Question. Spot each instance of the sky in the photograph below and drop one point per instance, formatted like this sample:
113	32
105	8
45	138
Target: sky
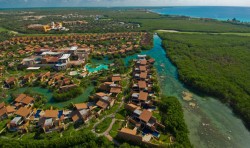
112	3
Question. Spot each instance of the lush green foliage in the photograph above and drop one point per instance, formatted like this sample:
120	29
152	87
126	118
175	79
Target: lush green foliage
81	139
120	66
172	117
103	126
13	20
187	24
64	96
5	35
126	145
215	64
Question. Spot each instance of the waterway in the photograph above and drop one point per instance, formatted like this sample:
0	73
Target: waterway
48	94
211	123
92	69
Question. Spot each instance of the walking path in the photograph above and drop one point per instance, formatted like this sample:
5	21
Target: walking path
112	115
106	133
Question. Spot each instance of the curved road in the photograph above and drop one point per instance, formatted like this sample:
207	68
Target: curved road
106	133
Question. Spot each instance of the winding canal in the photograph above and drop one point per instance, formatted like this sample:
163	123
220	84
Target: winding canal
210	123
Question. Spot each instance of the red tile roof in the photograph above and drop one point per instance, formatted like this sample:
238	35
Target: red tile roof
51	114
10	109
101	94
108	83
142	84
11	79
151	60
115	90
20	98
23	111
143	96
142	68
131	107
102	104
116	78
75	117
27	100
81	106
2	105
3	111
143	75
145	115
128	131
143	62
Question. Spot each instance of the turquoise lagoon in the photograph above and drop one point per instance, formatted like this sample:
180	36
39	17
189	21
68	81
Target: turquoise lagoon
48	94
96	69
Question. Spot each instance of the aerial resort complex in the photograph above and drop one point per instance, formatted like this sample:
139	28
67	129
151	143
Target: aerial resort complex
124	74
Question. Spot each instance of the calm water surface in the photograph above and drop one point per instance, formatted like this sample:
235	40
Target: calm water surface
92	69
211	123
220	13
48	94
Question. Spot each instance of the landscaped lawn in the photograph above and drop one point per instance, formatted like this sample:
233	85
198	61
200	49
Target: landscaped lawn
121	114
115	128
111	110
103	126
28	136
3	123
157	115
3	29
165	138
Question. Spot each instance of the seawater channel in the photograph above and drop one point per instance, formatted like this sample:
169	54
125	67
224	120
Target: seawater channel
211	123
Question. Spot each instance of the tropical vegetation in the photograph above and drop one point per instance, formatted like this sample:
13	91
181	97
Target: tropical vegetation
215	64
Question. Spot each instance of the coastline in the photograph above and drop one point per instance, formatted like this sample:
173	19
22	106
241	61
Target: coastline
216	16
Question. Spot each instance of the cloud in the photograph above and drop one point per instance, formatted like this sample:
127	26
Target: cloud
104	3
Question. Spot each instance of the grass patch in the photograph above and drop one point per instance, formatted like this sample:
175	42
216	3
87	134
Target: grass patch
110	111
121	114
28	136
157	115
103	126
3	123
2	29
114	131
164	138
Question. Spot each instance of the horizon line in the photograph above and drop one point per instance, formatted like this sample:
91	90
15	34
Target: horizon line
33	7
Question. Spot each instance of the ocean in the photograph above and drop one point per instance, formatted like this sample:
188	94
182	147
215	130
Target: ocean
215	12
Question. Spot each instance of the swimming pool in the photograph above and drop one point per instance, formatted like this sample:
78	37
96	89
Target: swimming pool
37	115
96	69
147	131
60	113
